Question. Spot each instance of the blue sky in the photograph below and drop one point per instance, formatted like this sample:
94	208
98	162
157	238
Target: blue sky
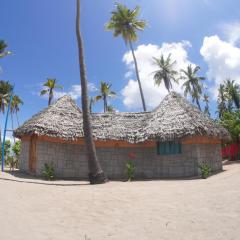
41	35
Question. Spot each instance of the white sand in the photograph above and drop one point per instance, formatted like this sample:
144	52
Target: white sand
155	210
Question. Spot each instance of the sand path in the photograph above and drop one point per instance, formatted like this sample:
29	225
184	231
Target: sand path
153	210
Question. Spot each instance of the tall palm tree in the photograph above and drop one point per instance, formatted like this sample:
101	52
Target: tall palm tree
232	91
206	100
50	85
16	102
92	101
5	91
3	47
165	71
222	105
111	109
105	92
96	174
192	84
124	22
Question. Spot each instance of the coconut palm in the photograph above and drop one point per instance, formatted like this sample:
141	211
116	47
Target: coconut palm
50	85
206	100
124	22
105	92
111	109
5	91
3	47
165	72
16	102
192	85
92	101
96	174
232	92
222	101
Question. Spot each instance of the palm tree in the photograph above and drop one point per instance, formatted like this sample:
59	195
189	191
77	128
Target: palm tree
5	91
165	72
232	91
92	101
105	92
111	109
124	22
96	174
192	84
50	85
16	102
3	51
222	106
206	100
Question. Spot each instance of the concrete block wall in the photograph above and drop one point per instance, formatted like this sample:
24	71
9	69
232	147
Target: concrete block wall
24	156
70	161
209	154
147	163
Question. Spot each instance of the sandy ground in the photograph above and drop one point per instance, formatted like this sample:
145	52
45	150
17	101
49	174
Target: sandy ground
153	210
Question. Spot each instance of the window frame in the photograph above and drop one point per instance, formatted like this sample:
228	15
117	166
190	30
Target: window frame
168	148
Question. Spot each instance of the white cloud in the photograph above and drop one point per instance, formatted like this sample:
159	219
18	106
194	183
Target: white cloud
232	32
145	53
223	59
74	91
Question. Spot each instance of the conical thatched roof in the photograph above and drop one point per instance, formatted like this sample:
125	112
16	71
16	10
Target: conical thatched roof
174	118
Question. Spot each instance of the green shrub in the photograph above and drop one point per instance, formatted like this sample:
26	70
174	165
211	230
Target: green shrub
130	170
12	162
205	171
48	172
16	148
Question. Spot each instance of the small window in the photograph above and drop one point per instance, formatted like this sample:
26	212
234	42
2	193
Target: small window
169	148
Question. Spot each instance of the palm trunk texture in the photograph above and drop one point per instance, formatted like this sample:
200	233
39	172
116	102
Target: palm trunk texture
138	77
96	174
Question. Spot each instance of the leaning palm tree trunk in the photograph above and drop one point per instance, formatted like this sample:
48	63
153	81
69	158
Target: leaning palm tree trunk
50	97
17	119
138	77
198	104
96	174
14	140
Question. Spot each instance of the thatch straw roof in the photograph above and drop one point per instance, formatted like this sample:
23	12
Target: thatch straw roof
174	118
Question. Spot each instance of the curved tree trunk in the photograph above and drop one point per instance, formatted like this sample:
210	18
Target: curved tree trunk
17	118
96	175
50	97
138	77
12	125
198	104
197	99
105	102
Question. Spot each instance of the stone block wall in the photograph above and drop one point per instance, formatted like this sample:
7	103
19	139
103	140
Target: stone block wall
147	163
70	161
24	156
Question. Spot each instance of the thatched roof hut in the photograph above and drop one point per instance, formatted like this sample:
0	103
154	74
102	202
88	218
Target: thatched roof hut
170	141
174	118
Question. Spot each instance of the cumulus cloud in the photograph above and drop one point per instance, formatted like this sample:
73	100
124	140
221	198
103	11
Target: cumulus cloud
145	53
74	92
232	32
223	59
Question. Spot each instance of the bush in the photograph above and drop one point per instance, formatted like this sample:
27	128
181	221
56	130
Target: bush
12	162
16	148
205	171
48	172
130	170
